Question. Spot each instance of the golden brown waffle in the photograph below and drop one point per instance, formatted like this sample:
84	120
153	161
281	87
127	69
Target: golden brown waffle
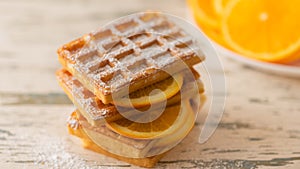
109	139
89	144
129	147
97	112
92	108
135	51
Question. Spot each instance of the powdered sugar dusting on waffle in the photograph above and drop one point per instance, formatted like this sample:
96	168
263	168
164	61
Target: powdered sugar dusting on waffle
88	101
73	122
84	99
122	52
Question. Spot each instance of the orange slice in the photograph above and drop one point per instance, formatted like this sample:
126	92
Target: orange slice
219	6
167	123
207	19
263	29
181	132
149	95
214	34
203	11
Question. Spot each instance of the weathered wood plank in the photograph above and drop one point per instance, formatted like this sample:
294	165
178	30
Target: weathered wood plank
238	140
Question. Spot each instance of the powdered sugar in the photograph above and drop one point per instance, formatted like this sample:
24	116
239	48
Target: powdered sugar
73	122
115	43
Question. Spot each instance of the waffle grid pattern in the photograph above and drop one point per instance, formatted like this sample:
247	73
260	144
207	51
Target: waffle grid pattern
135	47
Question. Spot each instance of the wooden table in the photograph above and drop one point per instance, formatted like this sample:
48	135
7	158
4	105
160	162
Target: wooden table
260	126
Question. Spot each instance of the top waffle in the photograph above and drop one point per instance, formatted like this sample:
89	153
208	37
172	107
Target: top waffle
135	51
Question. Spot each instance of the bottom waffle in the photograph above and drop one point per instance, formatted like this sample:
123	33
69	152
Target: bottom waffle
132	147
89	144
115	143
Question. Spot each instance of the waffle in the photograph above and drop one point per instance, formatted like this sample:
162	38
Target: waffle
137	148
135	51
92	108
130	147
95	111
89	144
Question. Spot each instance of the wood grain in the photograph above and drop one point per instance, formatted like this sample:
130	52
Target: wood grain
260	126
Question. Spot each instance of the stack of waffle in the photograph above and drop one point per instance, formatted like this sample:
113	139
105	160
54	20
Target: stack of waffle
134	87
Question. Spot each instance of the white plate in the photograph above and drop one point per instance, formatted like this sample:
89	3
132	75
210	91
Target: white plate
280	69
